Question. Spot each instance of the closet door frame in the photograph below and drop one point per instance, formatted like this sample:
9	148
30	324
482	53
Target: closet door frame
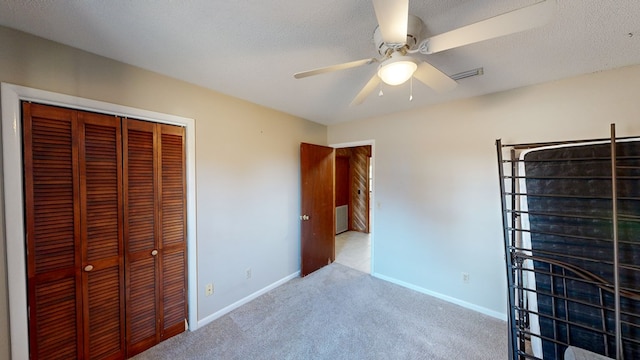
11	97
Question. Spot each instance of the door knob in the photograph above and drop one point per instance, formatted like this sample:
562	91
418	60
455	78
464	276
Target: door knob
154	252
304	217
88	268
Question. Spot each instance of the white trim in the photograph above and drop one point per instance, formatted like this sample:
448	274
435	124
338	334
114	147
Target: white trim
13	197
218	314
465	304
353	144
373	193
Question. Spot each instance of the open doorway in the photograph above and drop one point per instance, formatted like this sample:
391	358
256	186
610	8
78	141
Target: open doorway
354	192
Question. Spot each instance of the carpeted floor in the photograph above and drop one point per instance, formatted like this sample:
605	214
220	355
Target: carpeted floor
341	313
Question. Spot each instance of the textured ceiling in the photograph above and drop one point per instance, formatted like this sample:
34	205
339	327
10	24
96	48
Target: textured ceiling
250	49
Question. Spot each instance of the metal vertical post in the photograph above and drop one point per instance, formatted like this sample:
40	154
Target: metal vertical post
614	220
517	262
513	338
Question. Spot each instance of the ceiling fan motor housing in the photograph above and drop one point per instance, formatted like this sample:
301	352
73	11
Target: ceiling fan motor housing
414	35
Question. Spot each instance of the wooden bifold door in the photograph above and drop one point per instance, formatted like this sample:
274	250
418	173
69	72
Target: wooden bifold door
105	216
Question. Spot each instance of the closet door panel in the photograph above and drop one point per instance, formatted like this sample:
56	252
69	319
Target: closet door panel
140	184
173	230
173	186
142	310
53	236
105	212
141	243
105	340
174	293
55	334
52	183
101	230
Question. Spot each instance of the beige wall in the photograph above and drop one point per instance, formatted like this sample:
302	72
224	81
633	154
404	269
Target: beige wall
437	201
247	163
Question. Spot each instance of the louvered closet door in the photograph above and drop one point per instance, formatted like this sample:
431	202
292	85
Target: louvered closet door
100	164
53	232
155	233
93	209
173	230
141	222
73	208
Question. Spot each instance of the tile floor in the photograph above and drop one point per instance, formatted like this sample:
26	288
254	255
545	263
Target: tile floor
353	249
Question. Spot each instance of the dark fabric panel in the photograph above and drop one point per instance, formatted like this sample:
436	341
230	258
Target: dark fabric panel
558	235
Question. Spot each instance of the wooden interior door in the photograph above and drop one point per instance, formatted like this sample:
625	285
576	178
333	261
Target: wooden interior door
155	233
90	207
73	208
172	230
52	219
343	181
141	235
317	166
102	253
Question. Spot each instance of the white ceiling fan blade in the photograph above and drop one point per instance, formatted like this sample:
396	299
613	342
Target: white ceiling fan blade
434	78
525	18
366	90
337	67
392	18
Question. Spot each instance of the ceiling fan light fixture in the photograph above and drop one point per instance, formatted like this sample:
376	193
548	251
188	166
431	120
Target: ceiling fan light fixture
397	70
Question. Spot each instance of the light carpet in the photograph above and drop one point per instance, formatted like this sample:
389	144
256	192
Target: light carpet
341	313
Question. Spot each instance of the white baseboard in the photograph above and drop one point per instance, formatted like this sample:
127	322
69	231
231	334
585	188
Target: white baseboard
245	300
465	304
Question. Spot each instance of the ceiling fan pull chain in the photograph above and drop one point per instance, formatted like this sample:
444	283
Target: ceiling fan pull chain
411	89
380	93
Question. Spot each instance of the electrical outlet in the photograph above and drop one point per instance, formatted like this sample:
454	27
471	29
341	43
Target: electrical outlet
465	277
209	289
247	273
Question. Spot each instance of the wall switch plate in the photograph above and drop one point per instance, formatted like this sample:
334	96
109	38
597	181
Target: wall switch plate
209	289
465	277
247	273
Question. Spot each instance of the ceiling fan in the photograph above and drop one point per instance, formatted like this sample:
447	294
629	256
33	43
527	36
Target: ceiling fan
398	38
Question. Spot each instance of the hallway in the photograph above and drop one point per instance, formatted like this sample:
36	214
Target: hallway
353	249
